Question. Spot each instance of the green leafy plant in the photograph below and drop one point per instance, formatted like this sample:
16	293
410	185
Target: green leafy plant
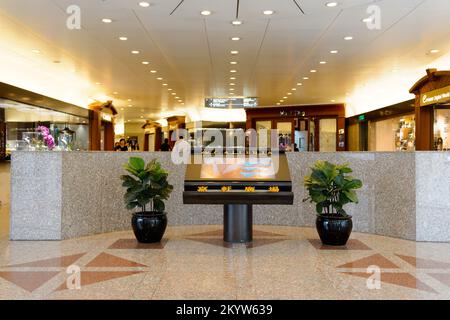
330	187
147	186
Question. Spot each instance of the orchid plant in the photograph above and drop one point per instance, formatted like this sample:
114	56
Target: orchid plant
48	138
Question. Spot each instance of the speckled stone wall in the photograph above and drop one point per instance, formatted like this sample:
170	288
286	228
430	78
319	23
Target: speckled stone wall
67	195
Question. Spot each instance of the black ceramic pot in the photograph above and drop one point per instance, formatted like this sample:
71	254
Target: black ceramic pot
149	227
334	230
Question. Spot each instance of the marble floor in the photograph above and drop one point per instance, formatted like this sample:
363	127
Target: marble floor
193	263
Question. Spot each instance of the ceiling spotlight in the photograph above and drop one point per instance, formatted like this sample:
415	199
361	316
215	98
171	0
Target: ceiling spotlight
305	78
234	52
233	71
122	109
142	117
236	22
153	71
115	93
144	4
180	101
123	38
205	13
323	62
434	51
333	100
268	12
135	52
281	100
165	84
294	89
233	62
299	84
169	89
278	103
231	89
129	100
334	51
285	97
98	83
145	62
36	51
106	20
348	38
235	38
130	105
232	78
159	78
313	71
331	4
232	84
174	94
177	97
289	93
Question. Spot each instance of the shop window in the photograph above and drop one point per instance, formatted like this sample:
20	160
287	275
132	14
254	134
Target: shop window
442	129
327	137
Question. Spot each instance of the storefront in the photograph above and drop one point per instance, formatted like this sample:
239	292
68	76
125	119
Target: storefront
387	129
23	112
432	110
302	128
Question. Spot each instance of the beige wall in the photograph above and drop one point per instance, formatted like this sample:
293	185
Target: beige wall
134	129
353	137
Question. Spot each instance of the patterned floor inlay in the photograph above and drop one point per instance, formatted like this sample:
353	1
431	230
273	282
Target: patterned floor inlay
352	244
373	260
134	244
424	263
107	260
220	243
401	279
28	280
215	238
92	277
63	261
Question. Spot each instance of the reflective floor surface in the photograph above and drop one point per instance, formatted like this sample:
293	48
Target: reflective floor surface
194	263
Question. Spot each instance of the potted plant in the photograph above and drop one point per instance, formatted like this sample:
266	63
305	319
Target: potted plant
147	188
331	188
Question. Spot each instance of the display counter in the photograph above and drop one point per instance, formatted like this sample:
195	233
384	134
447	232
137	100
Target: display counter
61	195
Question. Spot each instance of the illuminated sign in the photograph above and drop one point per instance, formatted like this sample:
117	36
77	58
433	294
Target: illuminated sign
436	96
231	103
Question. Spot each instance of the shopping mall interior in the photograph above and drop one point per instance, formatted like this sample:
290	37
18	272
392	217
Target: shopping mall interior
87	86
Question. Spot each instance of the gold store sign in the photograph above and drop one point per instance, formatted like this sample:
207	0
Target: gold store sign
435	96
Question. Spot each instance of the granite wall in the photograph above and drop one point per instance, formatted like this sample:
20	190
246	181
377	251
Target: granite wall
66	195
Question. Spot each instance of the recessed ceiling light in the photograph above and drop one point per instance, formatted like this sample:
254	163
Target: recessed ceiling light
130	105
294	89
299	84
122	109
165	84
434	51
142	117
233	62
145	62
235	38
177	97
236	22
180	101
334	51
313	71
231	94
98	83
144	4
233	71
323	62
234	52
278	103
115	93
159	78
285	97
348	38
333	100
232	84
129	100
123	38
331	4
231	89
305	78
169	89
268	12
135	52
174	94
153	71
289	93
281	100
106	20
36	51
205	13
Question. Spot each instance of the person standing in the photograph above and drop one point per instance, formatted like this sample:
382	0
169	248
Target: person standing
123	145
165	146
